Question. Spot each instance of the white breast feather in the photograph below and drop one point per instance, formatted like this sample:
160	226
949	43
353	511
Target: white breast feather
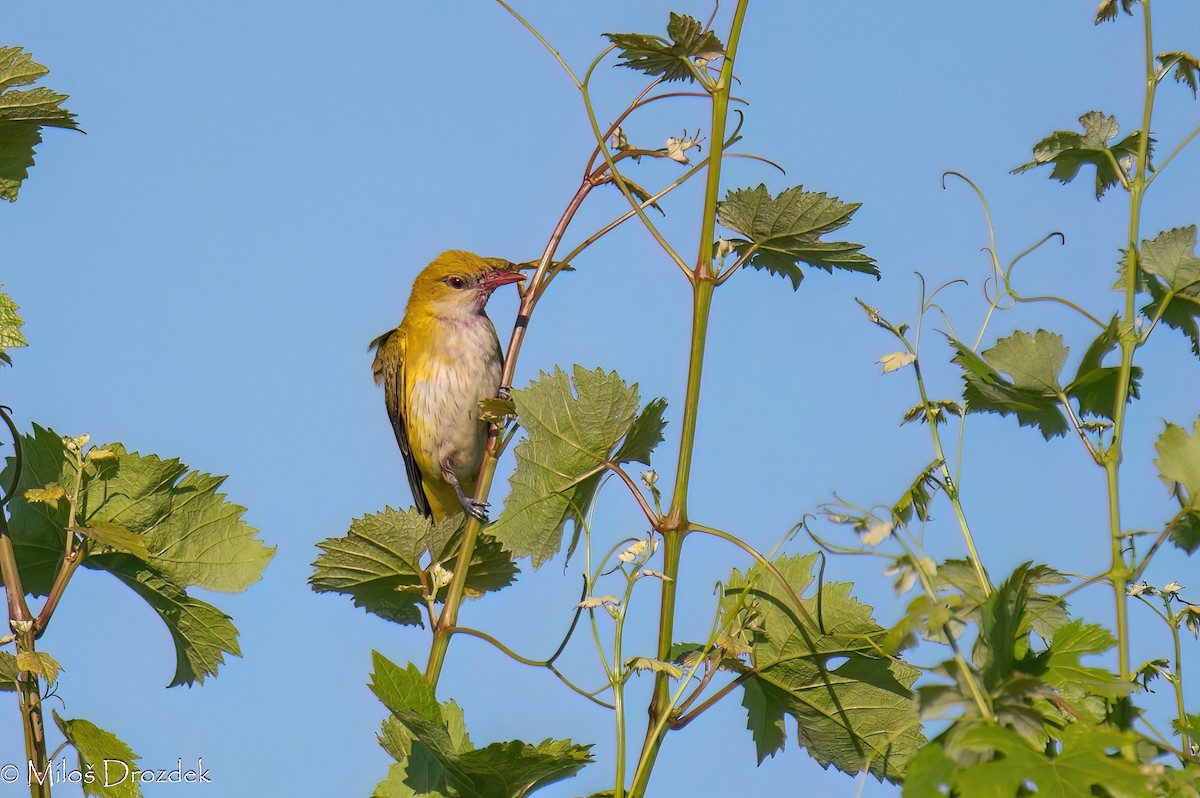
464	365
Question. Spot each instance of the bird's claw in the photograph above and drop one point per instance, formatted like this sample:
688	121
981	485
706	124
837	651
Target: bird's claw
504	392
476	509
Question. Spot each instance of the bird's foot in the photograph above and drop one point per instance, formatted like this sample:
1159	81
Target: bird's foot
475	508
471	506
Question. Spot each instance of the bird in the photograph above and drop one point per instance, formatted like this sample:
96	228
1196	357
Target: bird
435	368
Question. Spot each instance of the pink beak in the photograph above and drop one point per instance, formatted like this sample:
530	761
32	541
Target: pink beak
498	277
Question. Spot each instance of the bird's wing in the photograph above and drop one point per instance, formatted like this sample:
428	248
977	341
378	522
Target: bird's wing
388	369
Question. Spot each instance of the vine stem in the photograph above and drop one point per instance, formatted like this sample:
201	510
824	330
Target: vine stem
442	631
21	621
1128	340
675	526
948	480
1177	676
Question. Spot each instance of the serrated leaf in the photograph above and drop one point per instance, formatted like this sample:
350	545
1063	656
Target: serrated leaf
1085	762
783	232
23	114
896	361
1095	385
1110	9
11	336
856	716
8	672
1068	151
1044	612
1185	530
117	538
40	663
101	752
37	527
655	666
439	753
516	769
1179	459
1176	297
987	391
939	408
496	410
573	430
192	532
51	493
644	435
1184	66
1171	255
1189	725
918	496
379	563
1033	361
1065	671
397	785
1179	465
654	55
930	772
203	540
187	529
202	634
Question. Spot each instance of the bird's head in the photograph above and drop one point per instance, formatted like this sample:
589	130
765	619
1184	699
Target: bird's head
459	283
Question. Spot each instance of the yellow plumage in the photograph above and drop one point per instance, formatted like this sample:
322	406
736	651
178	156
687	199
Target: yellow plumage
435	368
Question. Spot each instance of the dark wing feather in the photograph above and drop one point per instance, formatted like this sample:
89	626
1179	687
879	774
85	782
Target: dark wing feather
389	372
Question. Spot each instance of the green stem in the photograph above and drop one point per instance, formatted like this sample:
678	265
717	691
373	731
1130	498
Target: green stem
675	527
618	687
1177	680
29	695
948	480
487	470
1119	570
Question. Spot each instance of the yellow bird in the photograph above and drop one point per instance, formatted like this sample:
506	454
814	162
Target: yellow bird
435	368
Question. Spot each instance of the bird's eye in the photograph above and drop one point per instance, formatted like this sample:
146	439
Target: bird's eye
456	282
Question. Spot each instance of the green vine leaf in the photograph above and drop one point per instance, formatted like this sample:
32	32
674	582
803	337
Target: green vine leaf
8	672
654	55
202	634
187	529
23	114
1095	385
1179	468
152	523
39	663
857	715
438	758
1045	613
1111	9
1172	271
917	498
1185	68
1066	673
1034	361
103	754
645	435
11	336
940	409
1069	151
387	560
575	428
655	666
1084	762
783	232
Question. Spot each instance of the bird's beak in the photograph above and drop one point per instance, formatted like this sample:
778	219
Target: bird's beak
498	277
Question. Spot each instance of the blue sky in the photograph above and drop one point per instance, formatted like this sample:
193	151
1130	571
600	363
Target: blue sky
259	184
